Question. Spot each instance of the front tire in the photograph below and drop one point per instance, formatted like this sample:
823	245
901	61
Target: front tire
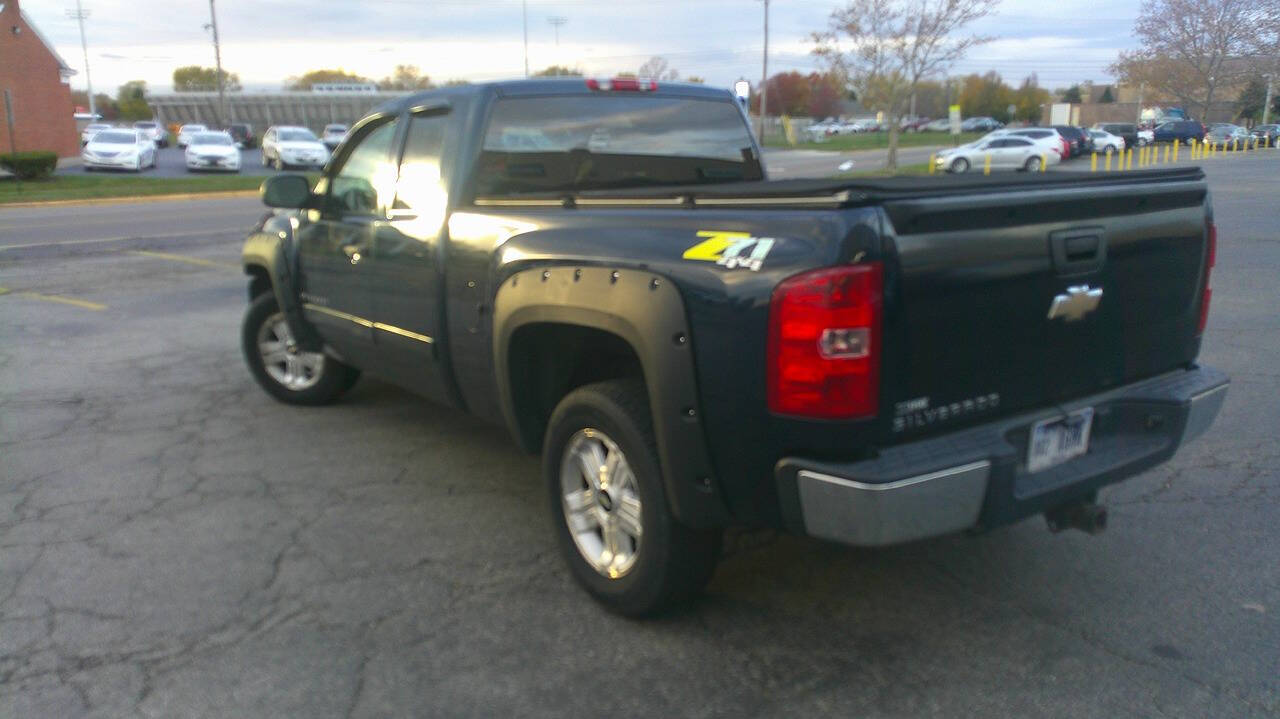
612	519
286	372
960	166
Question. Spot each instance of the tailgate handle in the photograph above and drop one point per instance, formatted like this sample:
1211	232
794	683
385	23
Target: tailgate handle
1079	251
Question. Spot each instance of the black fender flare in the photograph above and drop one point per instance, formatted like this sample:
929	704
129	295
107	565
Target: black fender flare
646	311
271	249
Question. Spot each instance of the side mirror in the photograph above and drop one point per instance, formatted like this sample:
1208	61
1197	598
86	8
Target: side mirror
291	192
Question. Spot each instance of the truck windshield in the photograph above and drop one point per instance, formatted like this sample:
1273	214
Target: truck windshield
594	142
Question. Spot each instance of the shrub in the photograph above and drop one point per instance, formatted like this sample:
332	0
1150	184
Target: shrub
30	165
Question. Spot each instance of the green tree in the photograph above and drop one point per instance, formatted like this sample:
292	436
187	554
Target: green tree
193	78
405	77
986	95
1249	104
1071	94
1030	98
1107	97
323	77
131	99
558	71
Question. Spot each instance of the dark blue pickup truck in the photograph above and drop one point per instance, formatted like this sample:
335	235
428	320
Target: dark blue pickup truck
602	268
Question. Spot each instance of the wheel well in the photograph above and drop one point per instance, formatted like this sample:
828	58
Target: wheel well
259	281
549	360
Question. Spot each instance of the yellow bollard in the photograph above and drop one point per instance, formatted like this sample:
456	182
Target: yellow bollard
1108	162
1192	144
933	163
1175	150
1093	162
1044	162
1142	152
1128	160
1166	155
986	164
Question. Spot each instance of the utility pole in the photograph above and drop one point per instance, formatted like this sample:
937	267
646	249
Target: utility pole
556	21
764	74
1266	105
524	6
80	14
1142	89
217	59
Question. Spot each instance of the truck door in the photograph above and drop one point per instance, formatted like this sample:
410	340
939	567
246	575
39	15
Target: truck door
333	245
405	262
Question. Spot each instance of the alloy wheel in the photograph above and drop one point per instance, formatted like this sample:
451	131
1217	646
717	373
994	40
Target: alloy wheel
601	502
293	368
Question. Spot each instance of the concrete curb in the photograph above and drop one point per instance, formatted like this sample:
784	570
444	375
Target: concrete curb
123	200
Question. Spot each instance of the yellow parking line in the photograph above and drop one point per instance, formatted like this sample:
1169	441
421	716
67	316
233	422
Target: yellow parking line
97	240
83	304
184	258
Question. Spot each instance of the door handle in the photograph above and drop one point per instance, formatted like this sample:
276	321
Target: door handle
354	252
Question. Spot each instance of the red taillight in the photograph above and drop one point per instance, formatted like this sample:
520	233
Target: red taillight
1211	258
622	84
824	343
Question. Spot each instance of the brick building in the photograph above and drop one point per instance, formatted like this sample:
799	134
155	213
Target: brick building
36	78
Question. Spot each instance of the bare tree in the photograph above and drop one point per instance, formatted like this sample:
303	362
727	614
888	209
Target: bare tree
1192	49
884	48
657	68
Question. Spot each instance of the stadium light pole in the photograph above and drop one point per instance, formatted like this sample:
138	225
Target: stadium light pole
217	59
1266	105
79	14
524	8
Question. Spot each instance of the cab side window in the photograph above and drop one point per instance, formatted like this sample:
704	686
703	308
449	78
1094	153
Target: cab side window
365	181
421	185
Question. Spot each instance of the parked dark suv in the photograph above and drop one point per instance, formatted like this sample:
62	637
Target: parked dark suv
1127	130
1075	137
242	133
1183	131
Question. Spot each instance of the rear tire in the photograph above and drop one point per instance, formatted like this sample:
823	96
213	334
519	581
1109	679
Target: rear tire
290	375
636	573
1033	164
960	166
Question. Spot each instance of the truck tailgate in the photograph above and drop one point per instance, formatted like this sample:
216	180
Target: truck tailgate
1011	299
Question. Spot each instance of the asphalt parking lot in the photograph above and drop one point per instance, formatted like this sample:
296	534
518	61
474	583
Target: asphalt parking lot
175	543
171	162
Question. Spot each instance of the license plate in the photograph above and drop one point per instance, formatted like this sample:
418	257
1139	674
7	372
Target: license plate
1057	440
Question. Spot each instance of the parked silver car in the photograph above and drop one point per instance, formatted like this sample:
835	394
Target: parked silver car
1005	153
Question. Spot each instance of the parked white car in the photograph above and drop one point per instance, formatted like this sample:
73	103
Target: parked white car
1146	137
1046	137
92	129
212	151
1006	153
186	131
1104	142
119	149
287	146
333	135
154	130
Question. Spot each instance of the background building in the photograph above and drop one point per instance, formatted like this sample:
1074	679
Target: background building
36	78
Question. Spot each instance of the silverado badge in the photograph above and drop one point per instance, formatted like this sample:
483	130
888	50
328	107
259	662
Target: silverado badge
1075	303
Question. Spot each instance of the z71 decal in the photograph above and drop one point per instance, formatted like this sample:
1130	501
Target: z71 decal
731	249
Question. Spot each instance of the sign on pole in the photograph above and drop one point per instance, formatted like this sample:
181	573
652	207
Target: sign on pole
953	114
8	117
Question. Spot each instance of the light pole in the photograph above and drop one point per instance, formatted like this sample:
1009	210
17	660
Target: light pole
80	14
524	8
1266	105
556	21
764	74
217	59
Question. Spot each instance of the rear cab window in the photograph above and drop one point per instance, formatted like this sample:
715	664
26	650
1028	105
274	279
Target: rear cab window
599	142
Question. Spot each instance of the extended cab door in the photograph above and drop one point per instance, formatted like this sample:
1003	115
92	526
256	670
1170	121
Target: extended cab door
405	261
333	243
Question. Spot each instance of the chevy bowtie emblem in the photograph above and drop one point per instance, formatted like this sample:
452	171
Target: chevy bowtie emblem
1075	303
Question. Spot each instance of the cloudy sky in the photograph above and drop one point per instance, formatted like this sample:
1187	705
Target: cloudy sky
266	41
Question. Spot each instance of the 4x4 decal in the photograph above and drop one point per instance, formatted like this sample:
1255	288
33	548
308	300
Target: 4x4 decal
731	249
